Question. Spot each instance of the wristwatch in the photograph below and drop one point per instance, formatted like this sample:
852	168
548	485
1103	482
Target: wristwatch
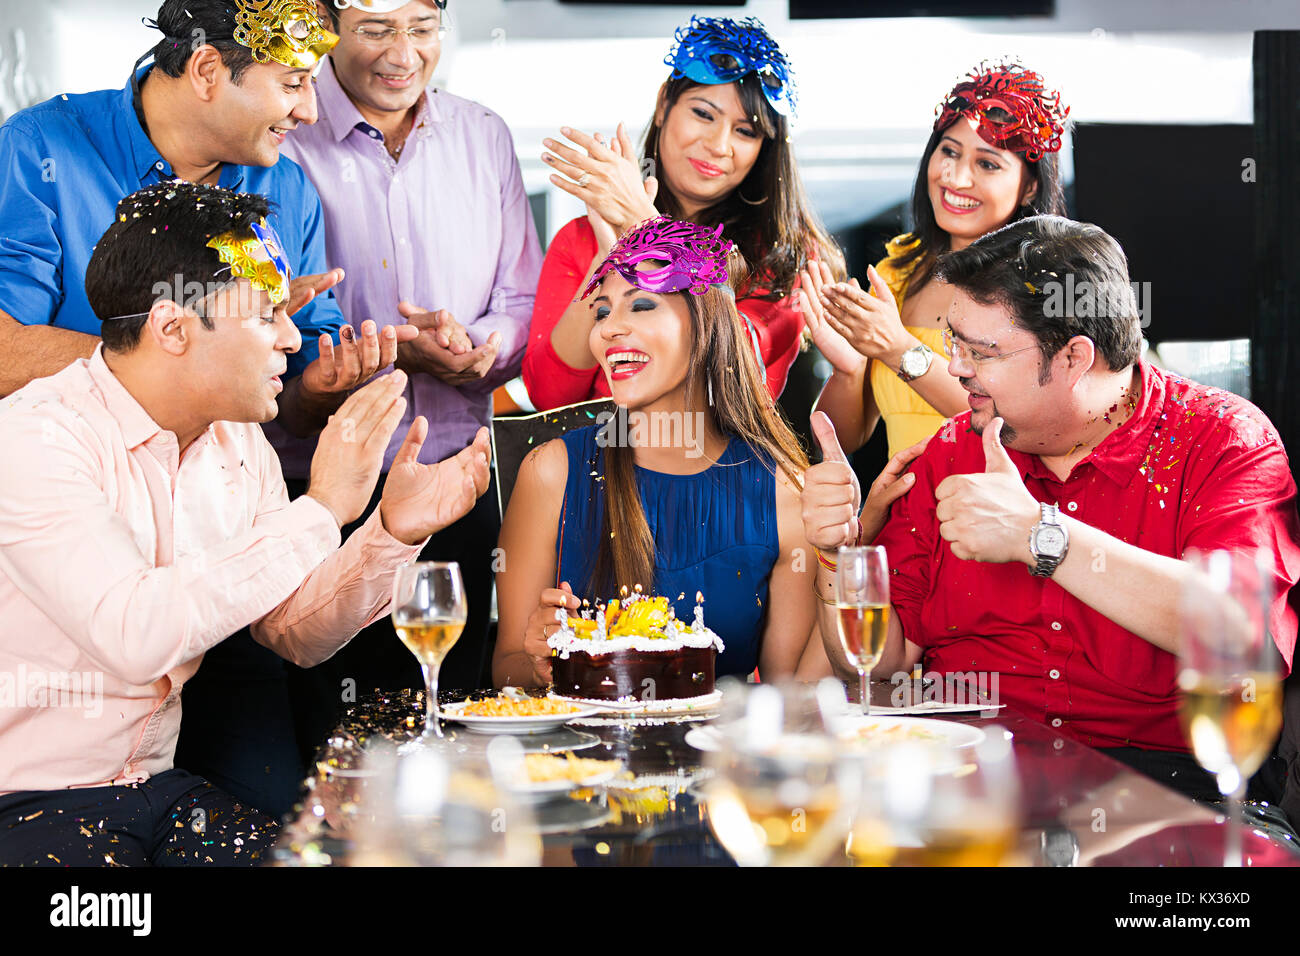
1048	542
1059	846
915	362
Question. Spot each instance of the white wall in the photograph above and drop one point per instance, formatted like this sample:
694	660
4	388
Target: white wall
867	87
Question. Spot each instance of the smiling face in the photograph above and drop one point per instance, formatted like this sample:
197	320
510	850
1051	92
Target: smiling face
707	145
642	341
387	77
1005	378
255	115
974	188
236	366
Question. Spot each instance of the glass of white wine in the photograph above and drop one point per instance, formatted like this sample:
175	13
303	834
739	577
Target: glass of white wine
862	610
429	611
1228	673
925	803
780	794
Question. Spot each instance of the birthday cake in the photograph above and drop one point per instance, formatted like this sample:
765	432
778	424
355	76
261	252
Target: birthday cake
634	649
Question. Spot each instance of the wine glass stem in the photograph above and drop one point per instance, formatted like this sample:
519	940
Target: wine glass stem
431	726
1232	842
864	689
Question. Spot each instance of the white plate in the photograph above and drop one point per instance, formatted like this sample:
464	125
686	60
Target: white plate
710	738
657	708
541	724
903	728
554	788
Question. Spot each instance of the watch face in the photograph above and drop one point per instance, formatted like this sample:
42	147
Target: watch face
915	363
1050	541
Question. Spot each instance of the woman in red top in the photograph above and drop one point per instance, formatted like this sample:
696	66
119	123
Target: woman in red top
718	148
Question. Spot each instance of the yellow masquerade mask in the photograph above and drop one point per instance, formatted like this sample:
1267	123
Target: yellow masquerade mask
258	258
287	31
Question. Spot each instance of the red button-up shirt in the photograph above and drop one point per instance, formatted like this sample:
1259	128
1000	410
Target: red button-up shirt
1193	467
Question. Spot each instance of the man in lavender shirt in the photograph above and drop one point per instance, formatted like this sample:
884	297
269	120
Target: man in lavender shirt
426	211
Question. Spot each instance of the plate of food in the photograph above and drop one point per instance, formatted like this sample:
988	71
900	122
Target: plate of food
549	775
878	730
514	715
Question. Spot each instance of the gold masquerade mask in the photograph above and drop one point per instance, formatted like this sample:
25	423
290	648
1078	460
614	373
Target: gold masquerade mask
258	258
287	31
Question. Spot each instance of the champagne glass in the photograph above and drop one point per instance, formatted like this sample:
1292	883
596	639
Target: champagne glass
925	803
1231	705
432	807
862	610
780	792
429	611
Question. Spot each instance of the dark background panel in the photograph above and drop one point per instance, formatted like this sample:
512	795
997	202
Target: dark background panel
1175	199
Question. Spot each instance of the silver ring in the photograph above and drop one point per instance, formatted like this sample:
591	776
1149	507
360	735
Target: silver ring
585	179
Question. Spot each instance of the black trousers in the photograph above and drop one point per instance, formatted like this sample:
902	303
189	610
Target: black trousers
236	726
173	819
377	659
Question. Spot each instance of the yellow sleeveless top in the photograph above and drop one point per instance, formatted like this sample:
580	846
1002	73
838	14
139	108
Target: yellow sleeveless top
908	417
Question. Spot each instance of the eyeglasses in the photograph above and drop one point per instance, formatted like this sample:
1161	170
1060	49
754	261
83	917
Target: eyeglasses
960	350
419	36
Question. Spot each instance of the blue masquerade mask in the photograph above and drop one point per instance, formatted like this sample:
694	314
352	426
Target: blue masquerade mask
715	50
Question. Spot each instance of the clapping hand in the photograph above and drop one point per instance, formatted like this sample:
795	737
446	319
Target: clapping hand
356	359
869	323
606	177
443	348
420	500
808	300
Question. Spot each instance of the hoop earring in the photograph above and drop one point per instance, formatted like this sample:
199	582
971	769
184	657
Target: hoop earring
710	391
750	202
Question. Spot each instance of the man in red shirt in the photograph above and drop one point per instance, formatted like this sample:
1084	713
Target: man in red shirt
1038	536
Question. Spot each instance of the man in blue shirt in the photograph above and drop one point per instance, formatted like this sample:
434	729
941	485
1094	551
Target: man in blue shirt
211	109
230	79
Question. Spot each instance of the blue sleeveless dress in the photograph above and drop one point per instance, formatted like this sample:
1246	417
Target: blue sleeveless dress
715	532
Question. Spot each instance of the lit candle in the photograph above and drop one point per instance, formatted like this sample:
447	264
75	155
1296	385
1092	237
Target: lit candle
699	609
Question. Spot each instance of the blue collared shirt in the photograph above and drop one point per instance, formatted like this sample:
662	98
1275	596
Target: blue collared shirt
68	162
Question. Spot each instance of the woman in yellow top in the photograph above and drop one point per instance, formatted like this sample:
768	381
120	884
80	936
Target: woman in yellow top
990	161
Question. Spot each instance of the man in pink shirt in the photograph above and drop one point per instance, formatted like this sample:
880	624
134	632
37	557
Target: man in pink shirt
144	518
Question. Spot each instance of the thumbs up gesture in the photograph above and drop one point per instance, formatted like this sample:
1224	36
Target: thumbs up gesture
832	496
987	516
868	321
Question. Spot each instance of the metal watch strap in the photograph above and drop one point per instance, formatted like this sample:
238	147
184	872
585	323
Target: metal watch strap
1046	564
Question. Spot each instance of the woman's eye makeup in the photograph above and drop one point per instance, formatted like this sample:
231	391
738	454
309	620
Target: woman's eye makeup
601	311
642	305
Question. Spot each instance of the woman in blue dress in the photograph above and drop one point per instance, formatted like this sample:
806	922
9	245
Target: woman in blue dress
694	487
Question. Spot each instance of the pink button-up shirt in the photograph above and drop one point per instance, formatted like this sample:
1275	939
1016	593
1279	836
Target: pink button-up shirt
122	561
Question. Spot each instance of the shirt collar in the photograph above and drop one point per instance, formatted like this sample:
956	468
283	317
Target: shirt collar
1122	451
147	162
137	425
342	115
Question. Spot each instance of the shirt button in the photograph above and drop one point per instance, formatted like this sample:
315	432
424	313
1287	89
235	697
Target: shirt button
1056	721
1054	674
1058	743
374	134
1073	506
1056	625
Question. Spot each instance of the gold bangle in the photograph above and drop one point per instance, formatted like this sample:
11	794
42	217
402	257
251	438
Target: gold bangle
818	596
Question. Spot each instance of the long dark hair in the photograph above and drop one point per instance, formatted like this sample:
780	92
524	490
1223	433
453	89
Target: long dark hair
721	354
1049	199
768	216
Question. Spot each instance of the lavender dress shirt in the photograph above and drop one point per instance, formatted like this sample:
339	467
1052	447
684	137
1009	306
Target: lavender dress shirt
445	226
